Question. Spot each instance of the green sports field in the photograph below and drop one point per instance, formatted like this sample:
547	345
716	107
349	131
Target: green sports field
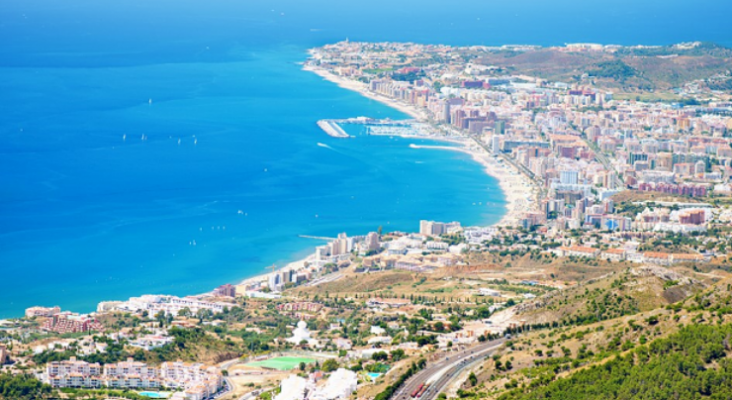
281	363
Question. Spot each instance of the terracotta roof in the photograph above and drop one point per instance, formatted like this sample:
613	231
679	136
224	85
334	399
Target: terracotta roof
655	254
614	251
582	249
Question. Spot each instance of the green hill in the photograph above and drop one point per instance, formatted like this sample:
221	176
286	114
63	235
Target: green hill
691	364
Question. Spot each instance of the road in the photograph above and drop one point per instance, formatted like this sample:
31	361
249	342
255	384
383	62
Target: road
538	183
602	159
227	364
325	279
438	374
228	388
255	393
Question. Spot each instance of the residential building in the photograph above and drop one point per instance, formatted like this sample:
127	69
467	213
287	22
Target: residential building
68	322
74	374
197	380
226	290
41	311
432	228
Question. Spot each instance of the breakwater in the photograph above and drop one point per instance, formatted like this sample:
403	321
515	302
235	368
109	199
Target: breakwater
332	126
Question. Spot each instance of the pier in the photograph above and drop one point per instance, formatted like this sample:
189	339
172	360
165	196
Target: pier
332	126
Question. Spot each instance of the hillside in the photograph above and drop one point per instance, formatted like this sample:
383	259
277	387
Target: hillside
619	294
625	69
690	364
571	336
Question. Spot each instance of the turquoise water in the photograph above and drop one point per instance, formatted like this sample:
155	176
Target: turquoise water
154	395
88	216
100	217
373	375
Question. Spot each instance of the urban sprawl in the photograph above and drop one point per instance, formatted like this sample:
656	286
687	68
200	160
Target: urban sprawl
589	179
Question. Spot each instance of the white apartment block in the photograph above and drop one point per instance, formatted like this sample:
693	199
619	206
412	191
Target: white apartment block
170	305
130	367
198	381
73	373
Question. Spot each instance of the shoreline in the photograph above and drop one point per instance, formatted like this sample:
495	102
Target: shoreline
516	188
360	88
296	265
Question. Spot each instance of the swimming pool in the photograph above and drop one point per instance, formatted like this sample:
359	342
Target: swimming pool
373	375
155	395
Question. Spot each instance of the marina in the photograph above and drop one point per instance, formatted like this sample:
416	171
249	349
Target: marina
332	126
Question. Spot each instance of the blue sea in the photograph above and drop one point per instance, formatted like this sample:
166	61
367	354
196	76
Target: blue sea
159	146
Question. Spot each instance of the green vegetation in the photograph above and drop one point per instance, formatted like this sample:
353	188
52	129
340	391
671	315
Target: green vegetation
473	379
615	69
602	306
289	363
723	85
408	77
115	352
701	49
376	71
391	389
329	365
23	387
187	345
72	393
691	364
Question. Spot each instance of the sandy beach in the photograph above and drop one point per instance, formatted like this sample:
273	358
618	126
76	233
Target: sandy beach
519	191
296	266
361	88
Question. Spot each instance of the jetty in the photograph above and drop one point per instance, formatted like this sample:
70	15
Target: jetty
330	239
332	126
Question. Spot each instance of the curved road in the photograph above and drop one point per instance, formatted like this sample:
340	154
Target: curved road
440	373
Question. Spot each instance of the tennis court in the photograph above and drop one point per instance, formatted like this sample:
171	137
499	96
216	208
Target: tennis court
281	363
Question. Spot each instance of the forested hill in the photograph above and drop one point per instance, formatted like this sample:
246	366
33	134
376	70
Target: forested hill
692	364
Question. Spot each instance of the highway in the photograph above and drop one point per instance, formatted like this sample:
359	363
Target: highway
439	374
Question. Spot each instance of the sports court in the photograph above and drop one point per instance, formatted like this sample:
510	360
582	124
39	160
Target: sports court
281	363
